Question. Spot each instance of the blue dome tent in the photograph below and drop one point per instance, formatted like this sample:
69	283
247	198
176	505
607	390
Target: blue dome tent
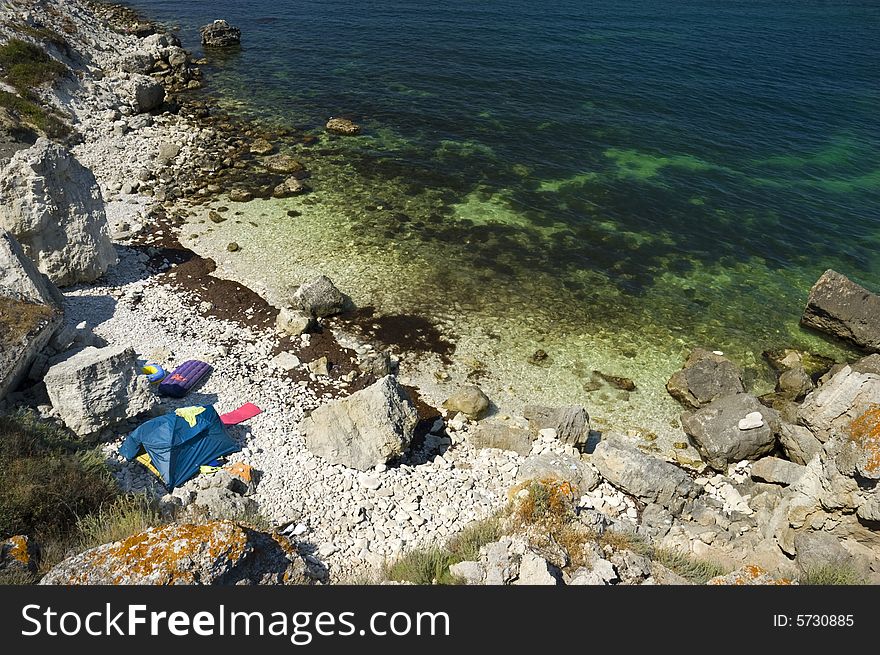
177	449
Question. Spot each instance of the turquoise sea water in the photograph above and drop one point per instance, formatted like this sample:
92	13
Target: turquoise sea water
629	176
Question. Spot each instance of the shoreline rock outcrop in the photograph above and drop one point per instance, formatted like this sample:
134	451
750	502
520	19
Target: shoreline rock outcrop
842	308
220	34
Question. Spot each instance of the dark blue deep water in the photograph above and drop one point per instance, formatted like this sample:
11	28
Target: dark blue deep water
715	155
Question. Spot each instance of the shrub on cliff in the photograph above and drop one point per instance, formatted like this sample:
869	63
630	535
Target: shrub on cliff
48	480
26	65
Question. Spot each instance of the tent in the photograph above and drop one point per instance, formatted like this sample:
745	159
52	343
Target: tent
179	443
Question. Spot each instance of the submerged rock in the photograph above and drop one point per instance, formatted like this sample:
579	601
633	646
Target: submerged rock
840	307
342	126
292	186
284	164
53	206
366	429
220	34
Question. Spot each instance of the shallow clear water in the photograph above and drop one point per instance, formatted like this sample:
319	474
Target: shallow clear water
611	182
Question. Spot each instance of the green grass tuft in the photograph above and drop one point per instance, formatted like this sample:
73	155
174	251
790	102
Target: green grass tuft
124	517
26	65
696	570
831	574
422	567
49	479
34	115
431	566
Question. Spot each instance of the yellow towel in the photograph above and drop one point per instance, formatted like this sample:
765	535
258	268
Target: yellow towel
144	459
189	414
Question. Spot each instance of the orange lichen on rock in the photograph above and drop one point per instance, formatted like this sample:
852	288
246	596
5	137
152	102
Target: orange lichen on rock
750	574
865	433
165	553
19	550
214	552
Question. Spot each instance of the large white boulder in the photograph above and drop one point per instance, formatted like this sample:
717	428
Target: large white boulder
98	388
53	206
368	428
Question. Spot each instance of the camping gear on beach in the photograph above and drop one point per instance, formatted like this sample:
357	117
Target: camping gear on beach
176	449
184	378
243	413
154	373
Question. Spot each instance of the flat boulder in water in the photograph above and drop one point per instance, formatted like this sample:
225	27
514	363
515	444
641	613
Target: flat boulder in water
342	126
840	307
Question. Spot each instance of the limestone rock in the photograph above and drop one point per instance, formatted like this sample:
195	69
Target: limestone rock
705	377
833	406
470	401
648	478
749	575
471	573
143	93
504	437
838	306
98	388
365	429
534	570
30	313
572	424
319	297
19	277
19	554
777	471
600	572
558	466
716	433
816	550
167	152
799	444
213	553
220	34
53	206
294	321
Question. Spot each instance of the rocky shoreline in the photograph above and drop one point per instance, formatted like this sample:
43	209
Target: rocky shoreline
353	471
